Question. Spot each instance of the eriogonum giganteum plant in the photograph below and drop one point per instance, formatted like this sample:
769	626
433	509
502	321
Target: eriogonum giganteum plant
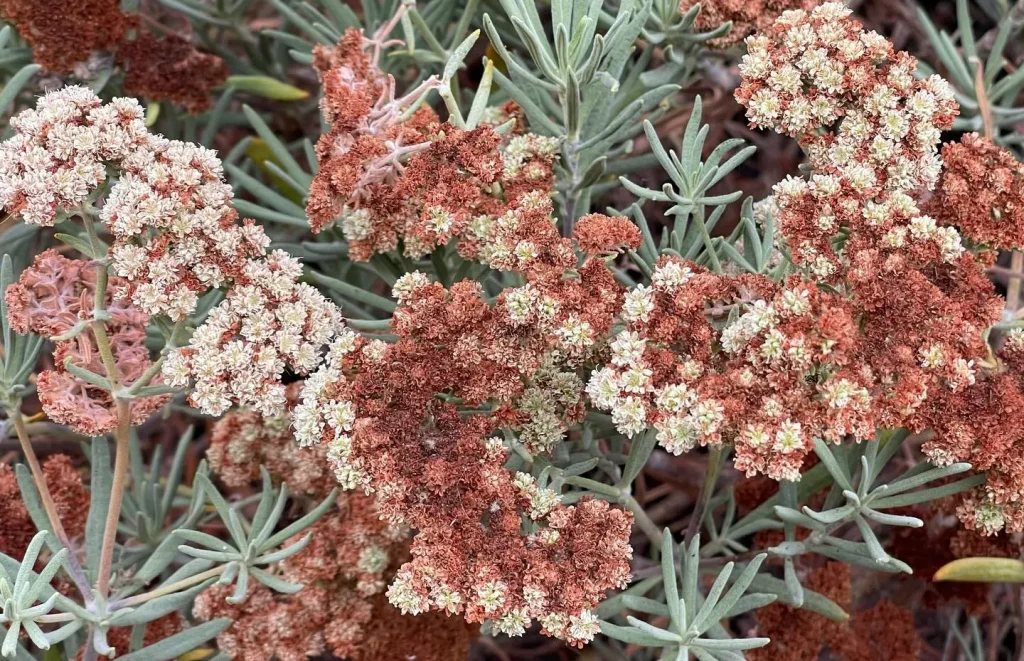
392	373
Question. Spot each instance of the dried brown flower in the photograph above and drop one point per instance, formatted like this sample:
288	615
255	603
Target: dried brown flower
342	609
62	33
169	68
747	16
884	630
242	441
50	298
981	192
69	495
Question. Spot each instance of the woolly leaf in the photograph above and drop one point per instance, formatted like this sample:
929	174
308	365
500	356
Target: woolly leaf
180	643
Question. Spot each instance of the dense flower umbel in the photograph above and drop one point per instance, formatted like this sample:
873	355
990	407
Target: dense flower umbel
871	131
52	296
63	34
747	16
390	174
176	234
981	192
170	68
781	374
883	631
921	301
242	441
65	485
267	322
383	412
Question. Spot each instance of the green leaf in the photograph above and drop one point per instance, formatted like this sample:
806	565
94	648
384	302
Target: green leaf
99	497
83	246
676	607
639	452
16	82
283	156
179	643
632	636
926	495
152	113
458	55
838	473
301	524
813	601
267	87
159	606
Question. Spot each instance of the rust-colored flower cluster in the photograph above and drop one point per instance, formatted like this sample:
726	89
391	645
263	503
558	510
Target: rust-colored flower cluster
747	16
395	177
414	422
167	68
882	631
342	609
811	69
70	498
63	34
51	298
783	372
921	301
242	441
981	193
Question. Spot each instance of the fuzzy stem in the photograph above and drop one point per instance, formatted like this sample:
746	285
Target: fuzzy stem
177	586
643	521
117	487
707	489
99	332
51	508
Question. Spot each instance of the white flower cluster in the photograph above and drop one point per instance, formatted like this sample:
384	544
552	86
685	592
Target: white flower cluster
820	66
176	236
501	242
894	218
625	386
169	210
322	415
542	500
522	148
56	158
268	322
551	391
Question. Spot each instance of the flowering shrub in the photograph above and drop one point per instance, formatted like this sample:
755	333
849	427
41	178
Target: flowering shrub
425	369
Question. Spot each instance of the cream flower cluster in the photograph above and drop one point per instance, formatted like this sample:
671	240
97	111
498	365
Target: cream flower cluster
323	413
176	237
814	68
773	378
544	402
169	210
267	322
813	210
506	243
56	157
